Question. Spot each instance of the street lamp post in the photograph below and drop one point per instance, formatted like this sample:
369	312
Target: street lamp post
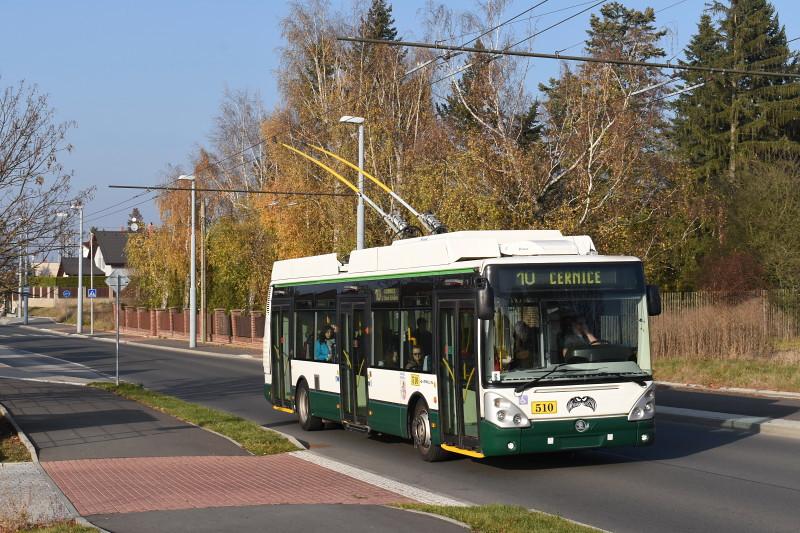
79	322
192	270
347	119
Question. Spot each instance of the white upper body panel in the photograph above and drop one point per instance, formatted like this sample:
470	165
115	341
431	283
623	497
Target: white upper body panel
462	250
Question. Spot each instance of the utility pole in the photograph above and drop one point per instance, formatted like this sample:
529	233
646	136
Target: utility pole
79	322
91	282
25	287
203	312
347	119
19	293
192	267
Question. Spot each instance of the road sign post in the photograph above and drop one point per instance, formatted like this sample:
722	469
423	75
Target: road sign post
116	282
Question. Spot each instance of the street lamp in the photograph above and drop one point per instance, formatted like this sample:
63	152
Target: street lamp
347	119
192	270
79	322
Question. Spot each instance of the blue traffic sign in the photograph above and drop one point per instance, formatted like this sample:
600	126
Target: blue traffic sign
92	293
66	294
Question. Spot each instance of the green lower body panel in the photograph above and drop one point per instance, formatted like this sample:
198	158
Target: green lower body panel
325	404
557	435
389	418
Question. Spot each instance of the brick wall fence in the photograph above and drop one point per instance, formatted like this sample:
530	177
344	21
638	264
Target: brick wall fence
221	327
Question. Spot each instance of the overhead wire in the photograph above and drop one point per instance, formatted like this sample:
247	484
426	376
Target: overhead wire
528	38
349	102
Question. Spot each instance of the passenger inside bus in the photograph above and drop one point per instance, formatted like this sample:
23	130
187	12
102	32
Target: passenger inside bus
390	357
325	346
524	340
423	336
417	362
575	334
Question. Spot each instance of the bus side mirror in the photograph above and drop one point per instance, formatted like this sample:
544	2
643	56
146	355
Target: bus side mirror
653	300
485	300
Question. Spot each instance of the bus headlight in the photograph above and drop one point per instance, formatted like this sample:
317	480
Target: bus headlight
645	406
502	412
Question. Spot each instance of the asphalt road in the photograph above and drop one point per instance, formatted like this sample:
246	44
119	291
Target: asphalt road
693	479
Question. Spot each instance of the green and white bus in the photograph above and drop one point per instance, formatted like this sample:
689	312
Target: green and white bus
482	343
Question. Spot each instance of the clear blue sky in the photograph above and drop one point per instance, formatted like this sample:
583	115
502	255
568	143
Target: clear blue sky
143	80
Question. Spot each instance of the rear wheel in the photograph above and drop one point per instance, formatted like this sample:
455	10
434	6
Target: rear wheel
307	421
421	433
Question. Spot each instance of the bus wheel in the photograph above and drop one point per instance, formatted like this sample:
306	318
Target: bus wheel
307	421
421	432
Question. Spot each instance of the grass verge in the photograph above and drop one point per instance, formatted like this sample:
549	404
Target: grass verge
250	435
502	518
64	526
745	373
11	448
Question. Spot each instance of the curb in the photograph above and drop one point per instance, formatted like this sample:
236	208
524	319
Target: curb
433	515
735	390
142	344
753	424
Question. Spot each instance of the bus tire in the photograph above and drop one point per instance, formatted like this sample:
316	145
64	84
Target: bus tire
307	421
421	434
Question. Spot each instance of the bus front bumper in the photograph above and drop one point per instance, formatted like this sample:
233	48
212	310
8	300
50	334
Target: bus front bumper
558	435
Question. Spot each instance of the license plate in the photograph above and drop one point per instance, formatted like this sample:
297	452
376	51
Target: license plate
544	408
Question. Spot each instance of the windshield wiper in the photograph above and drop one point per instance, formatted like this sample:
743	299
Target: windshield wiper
639	380
558	368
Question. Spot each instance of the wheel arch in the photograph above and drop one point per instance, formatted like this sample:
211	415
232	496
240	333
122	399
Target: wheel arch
412	405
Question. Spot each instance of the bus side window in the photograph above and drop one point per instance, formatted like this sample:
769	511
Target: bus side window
386	339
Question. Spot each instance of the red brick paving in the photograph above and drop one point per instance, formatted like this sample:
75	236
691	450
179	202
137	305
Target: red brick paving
100	486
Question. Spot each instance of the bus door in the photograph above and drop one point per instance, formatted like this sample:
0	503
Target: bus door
281	357
458	373
353	361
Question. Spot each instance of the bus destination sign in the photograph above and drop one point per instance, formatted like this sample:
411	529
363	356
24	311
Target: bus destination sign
566	277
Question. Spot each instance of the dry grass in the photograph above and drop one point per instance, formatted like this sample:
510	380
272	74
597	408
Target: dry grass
742	344
11	448
62	526
714	331
67	314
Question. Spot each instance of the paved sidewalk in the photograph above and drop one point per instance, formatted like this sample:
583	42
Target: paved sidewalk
130	468
70	422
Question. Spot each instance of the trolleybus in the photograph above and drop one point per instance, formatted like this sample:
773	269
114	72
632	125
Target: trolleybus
481	343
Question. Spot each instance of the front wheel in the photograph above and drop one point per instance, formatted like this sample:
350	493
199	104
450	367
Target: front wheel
421	433
307	421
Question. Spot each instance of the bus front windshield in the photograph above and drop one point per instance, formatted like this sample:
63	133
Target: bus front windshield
558	335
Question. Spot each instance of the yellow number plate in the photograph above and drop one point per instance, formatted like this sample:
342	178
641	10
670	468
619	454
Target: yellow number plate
544	408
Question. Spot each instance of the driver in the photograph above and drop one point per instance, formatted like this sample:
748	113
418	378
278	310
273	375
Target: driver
575	333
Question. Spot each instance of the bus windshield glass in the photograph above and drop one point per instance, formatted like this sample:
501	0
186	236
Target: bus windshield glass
567	322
